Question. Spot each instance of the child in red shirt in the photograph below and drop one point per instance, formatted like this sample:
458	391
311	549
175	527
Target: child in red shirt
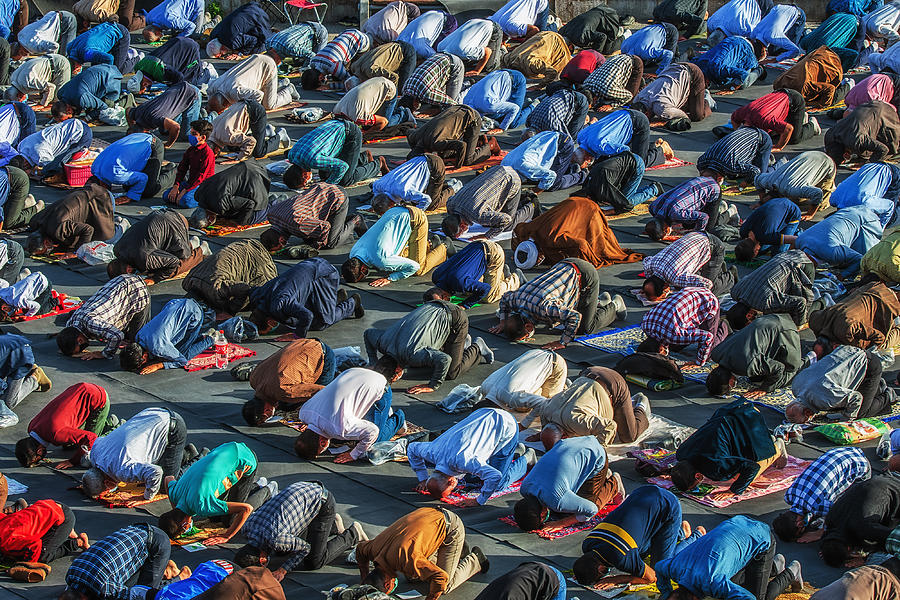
197	164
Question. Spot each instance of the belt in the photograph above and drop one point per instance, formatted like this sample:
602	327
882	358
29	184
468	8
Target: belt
173	423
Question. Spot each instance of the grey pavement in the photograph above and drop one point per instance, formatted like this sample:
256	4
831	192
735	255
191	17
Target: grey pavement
375	496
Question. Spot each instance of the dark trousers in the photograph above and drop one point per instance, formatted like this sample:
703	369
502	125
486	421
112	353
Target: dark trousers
474	153
158	177
171	459
16	215
877	397
45	301
437	188
323	303
461	358
630	424
754	577
27	120
56	543
593	318
579	112
324	547
600	488
340	230
359	167
715	270
68	28
258	123
796	112
15	260
137	321
4	62
640	140
150	574
764	154
688	21
494	44
246	490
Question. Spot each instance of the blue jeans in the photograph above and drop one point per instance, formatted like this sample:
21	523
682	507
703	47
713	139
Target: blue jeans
388	424
329	365
396	115
27	120
751	78
189	116
561	594
194	342
187	201
790	229
764	153
512	468
630	190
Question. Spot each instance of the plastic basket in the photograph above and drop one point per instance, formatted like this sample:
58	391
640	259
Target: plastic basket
77	174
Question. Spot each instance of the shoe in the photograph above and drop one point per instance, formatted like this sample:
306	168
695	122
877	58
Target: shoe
112	422
482	559
448	243
530	457
262	482
270	131
721	131
621	309
242	371
284	140
361	535
9	420
627	21
883	451
29	572
273	488
619	498
797	583
522	279
295	93
778	564
848	81
520	450
486	352
341	295
300	252
351	558
24	273
434	240
29	201
603	299
642	403
44	383
659	188
358	310
815	123
189	454
835	114
468	341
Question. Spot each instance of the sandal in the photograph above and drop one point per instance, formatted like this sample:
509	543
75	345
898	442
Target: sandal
29	572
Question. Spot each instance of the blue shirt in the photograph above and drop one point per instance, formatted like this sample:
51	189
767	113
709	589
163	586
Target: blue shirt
738	17
462	272
769	221
609	135
4	192
854	7
123	161
205	576
8	11
649	43
706	567
381	245
870	186
490	92
100	38
728	62
854	230
181	16
164	335
533	159
407	182
88	89
556	478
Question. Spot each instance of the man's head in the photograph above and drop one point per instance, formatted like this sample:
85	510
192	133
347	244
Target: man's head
834	552
175	522
654	288
215	48
440	485
740	315
20	162
264	323
296	177
517	328
551	433
651	345
249	555
200	130
453	226
759	50
388	367
764	194
382	203
255	412
657	229
435	293
273	240
712	175
685	476
29	452
95	482
312	79
274	56
71	341
354	270
217	102
60	111
797	412
582	158
789	526
589	569
530	513
37	244
133	358
746	250
310	444
116	267
642	108
720	381
152	33
380	581
823	347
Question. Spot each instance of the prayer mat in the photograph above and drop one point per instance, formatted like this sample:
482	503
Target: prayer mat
387	139
292	420
670	163
622	341
65	304
822	111
197	535
658	124
654	385
801	595
636	211
490	162
771	481
455	300
723	92
220	230
571	529
468	492
288	106
733	189
612	590
207	358
56	259
128	495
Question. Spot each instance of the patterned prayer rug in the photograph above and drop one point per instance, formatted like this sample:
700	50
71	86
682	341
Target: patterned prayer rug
207	358
571	529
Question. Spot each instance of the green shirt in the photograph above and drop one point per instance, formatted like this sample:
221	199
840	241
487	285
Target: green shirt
198	491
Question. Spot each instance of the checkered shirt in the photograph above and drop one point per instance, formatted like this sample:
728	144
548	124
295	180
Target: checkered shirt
483	199
553	113
676	320
733	155
825	479
279	525
301	41
337	54
319	148
306	214
428	82
105	315
607	82
103	570
685	203
679	262
551	298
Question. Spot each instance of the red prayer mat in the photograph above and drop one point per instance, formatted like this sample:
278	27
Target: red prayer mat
490	162
463	492
220	230
207	358
571	529
65	305
670	163
387	139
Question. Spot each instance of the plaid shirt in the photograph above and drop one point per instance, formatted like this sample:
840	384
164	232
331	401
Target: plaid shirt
679	262
279	525
428	83
685	203
489	199
734	155
550	298
553	113
105	315
306	214
319	148
301	41
103	570
607	82
676	320
337	54
825	479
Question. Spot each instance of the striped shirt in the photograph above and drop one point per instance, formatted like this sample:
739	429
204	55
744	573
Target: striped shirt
334	57
607	82
738	154
781	285
549	298
825	479
300	41
679	262
105	315
428	83
306	214
319	149
676	320
685	202
488	200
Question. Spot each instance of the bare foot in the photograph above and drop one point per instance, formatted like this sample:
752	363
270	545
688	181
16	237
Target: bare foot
83	542
686	529
382	161
495	146
701	530
171	570
339	523
184	573
369	156
666	148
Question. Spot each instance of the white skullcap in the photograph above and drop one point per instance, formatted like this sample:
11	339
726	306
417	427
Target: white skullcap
526	255
213	48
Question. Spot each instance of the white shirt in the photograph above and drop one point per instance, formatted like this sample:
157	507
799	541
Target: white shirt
42	36
254	78
363	101
423	32
129	452
467	447
887	16
407	182
338	410
22	293
42	147
516	15
33	76
469	40
387	23
525	375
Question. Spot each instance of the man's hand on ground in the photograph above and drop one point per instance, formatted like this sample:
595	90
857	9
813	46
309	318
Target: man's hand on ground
151	368
380	282
467	503
63	465
553	346
91	355
343	457
420	389
215	541
279	574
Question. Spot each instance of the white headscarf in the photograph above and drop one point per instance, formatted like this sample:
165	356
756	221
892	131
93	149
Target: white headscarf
526	254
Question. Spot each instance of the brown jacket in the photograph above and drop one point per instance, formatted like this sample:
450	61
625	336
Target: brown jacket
815	76
380	61
862	319
542	56
252	583
584	408
450	125
85	215
289	375
223	280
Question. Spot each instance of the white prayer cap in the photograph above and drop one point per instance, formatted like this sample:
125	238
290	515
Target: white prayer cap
213	48
526	255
